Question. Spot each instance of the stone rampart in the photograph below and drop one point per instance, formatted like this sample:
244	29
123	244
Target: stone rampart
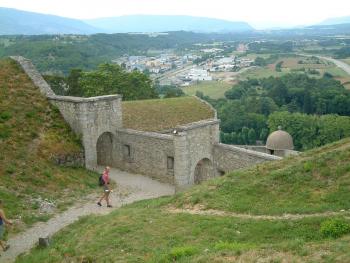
229	158
194	143
88	117
187	155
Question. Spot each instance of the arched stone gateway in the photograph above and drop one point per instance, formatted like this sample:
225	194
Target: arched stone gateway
203	171
104	148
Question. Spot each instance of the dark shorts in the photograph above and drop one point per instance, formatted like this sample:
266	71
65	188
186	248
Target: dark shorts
105	188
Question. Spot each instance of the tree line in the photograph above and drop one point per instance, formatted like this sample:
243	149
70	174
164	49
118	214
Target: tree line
314	111
110	79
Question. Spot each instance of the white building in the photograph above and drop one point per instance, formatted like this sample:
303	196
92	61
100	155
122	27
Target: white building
198	74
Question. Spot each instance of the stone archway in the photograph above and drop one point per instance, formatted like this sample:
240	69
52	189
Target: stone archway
104	148
203	171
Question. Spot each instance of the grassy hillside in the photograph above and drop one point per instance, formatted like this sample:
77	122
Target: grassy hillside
150	231
32	135
163	114
315	181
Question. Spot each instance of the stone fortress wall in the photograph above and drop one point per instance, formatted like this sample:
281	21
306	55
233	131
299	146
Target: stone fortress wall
188	155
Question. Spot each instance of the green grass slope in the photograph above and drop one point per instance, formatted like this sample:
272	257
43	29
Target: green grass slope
32	133
315	181
150	231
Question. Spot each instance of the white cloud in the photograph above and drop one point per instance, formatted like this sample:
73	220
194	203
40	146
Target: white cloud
257	12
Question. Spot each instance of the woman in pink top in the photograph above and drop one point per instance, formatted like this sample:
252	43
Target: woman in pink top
106	192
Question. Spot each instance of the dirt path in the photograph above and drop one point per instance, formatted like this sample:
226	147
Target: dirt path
211	212
131	188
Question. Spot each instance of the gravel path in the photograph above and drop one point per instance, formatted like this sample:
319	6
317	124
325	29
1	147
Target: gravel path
131	188
212	212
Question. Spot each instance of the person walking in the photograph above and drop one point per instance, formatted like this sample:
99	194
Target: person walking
106	189
3	220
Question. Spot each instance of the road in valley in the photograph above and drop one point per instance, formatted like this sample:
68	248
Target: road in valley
338	63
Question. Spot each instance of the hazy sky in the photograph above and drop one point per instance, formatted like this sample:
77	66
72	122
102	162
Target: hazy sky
259	13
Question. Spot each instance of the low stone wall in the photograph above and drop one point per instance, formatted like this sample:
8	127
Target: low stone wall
144	153
228	158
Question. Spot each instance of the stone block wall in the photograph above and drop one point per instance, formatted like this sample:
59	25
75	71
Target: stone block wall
91	117
193	143
144	153
229	158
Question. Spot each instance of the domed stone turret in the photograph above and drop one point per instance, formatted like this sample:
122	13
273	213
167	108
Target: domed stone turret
279	140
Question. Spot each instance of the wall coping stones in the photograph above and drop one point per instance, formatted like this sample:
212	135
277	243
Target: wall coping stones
147	134
83	100
209	105
248	152
198	124
45	88
34	75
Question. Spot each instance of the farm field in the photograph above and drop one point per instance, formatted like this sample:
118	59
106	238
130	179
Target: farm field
213	89
261	72
297	64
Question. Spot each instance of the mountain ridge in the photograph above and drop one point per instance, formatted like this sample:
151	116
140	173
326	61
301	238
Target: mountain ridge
162	23
336	20
18	22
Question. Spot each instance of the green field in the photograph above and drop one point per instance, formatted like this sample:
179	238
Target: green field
291	64
213	89
154	231
259	72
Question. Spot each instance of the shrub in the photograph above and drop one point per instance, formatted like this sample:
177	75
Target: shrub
334	228
179	252
4	116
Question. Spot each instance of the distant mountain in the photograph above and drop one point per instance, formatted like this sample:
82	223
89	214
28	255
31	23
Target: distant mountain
17	22
162	23
336	21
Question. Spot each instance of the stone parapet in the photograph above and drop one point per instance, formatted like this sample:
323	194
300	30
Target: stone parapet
146	134
228	158
34	75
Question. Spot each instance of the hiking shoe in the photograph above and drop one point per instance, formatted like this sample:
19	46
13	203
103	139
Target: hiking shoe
109	206
99	204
